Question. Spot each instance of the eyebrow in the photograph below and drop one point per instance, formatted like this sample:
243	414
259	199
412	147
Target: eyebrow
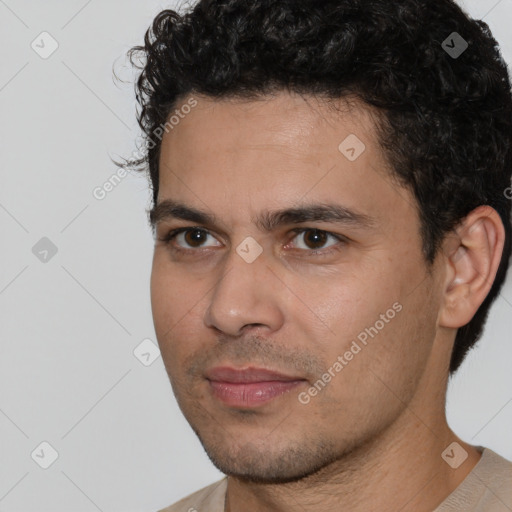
269	220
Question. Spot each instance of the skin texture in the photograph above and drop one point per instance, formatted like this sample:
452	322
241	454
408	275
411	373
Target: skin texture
372	438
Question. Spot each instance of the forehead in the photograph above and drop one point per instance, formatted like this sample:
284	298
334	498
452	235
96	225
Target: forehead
281	121
269	138
234	155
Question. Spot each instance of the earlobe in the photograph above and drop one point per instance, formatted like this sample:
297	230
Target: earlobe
472	256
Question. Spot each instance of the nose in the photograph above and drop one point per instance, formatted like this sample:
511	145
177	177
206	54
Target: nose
246	294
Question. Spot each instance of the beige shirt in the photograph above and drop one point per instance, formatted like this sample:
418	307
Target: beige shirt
487	488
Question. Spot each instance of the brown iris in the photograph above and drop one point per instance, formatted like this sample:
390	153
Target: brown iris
193	236
316	237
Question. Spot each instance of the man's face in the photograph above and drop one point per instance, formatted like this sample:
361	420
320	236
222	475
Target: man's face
302	304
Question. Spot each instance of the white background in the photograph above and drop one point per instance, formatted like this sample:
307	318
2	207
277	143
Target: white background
68	327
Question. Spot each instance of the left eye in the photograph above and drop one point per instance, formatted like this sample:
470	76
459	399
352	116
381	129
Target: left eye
315	239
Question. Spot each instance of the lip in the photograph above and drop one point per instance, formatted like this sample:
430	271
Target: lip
245	375
249	387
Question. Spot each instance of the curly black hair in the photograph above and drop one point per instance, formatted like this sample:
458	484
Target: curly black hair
445	117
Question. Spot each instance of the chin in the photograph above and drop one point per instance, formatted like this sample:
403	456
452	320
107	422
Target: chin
253	464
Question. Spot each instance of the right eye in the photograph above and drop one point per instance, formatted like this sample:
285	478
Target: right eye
180	238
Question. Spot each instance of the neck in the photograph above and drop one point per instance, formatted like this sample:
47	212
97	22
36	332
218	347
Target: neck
401	469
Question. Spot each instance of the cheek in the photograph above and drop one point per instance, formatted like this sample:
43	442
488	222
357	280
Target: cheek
374	381
172	295
336	312
167	304
367	321
392	356
176	303
161	298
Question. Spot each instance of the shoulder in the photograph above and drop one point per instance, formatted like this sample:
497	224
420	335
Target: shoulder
496	475
487	488
210	498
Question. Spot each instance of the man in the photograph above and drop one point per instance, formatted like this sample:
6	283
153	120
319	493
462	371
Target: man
329	183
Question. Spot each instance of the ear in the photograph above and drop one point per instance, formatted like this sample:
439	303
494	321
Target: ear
472	255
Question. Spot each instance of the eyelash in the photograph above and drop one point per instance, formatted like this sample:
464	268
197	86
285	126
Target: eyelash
169	237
